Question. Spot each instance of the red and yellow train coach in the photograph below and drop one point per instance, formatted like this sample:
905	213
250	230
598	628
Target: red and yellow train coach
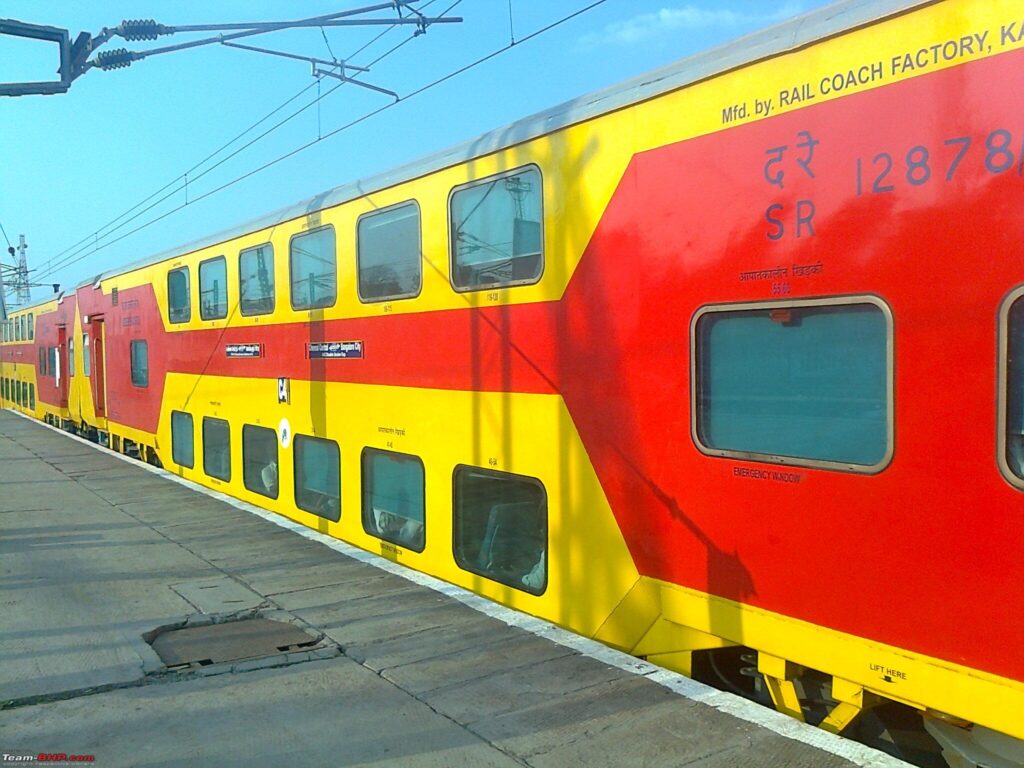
728	356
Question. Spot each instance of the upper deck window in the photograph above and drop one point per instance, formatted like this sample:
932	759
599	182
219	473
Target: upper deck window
796	383
496	232
388	252
179	304
313	269
213	289
31	328
256	280
17	328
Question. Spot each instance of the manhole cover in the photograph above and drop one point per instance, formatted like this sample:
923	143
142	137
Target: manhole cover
230	641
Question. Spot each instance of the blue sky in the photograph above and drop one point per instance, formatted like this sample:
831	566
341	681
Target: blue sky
72	163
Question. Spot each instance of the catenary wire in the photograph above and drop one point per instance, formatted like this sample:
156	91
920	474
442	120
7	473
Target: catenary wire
341	128
181	181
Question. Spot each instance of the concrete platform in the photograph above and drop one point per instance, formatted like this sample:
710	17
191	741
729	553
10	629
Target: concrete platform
96	550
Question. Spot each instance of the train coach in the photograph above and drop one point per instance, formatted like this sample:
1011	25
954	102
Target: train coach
723	367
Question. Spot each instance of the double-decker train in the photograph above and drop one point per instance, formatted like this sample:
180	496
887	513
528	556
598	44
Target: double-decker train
723	367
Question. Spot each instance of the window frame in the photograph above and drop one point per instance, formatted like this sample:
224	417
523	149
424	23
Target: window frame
451	240
192	436
296	474
291	282
547	527
131	362
188	289
273	274
227	294
277	461
791	461
419	247
369	450
227	424
1002	372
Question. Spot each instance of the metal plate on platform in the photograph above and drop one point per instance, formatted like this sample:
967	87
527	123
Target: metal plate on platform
229	641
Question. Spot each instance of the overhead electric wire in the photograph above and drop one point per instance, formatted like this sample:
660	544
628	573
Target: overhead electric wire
94	237
5	236
341	128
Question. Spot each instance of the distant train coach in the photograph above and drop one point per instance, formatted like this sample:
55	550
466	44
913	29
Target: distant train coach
723	367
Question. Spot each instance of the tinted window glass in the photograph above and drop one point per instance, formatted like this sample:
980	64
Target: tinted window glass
17	392
217	448
256	280
496	235
71	357
179	306
17	329
51	362
213	289
313	269
42	361
388	247
140	363
501	527
1014	448
393	506
86	360
801	382
31	327
259	460
182	439
31	395
318	476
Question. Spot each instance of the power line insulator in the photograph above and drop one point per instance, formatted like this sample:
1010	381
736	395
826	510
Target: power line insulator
141	29
115	59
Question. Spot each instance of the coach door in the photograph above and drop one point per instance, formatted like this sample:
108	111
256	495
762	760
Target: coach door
62	364
99	386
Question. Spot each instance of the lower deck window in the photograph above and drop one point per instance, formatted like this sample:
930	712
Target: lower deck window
393	505
501	527
140	363
318	476
795	383
259	460
217	448
31	395
183	449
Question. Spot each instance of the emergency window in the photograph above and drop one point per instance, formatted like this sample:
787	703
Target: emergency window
213	289
393	490
501	527
259	460
179	306
140	363
388	252
796	383
496	233
182	439
318	476
217	448
313	269
256	280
